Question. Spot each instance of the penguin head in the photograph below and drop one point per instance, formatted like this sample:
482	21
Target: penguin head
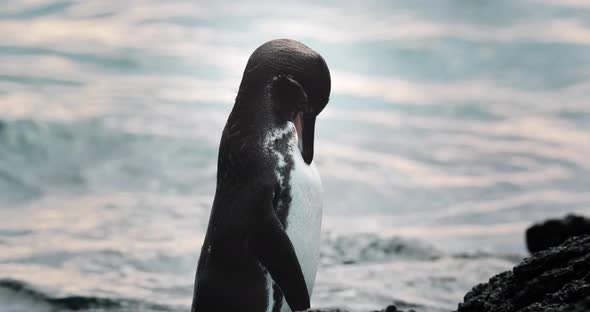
297	81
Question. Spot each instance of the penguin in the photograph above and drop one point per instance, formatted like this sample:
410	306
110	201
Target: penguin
261	249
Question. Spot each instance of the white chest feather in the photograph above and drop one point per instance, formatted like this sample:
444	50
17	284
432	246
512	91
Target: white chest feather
305	217
305	210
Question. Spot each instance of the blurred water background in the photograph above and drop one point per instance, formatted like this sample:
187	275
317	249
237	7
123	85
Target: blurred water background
452	126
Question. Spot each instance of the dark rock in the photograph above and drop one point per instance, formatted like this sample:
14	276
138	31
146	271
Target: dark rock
556	279
555	231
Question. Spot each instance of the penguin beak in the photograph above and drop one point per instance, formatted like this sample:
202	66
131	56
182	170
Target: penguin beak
305	125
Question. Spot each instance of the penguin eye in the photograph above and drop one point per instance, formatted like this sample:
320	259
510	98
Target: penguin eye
288	96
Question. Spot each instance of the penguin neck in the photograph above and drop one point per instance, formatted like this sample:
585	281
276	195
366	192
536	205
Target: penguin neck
252	114
241	148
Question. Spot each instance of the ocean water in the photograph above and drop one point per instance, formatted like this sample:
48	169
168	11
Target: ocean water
452	126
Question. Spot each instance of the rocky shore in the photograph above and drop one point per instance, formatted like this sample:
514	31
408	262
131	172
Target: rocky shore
555	231
555	278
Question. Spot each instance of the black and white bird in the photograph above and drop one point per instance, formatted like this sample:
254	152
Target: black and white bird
261	250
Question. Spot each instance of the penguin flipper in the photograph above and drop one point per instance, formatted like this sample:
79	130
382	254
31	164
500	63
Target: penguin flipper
276	252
